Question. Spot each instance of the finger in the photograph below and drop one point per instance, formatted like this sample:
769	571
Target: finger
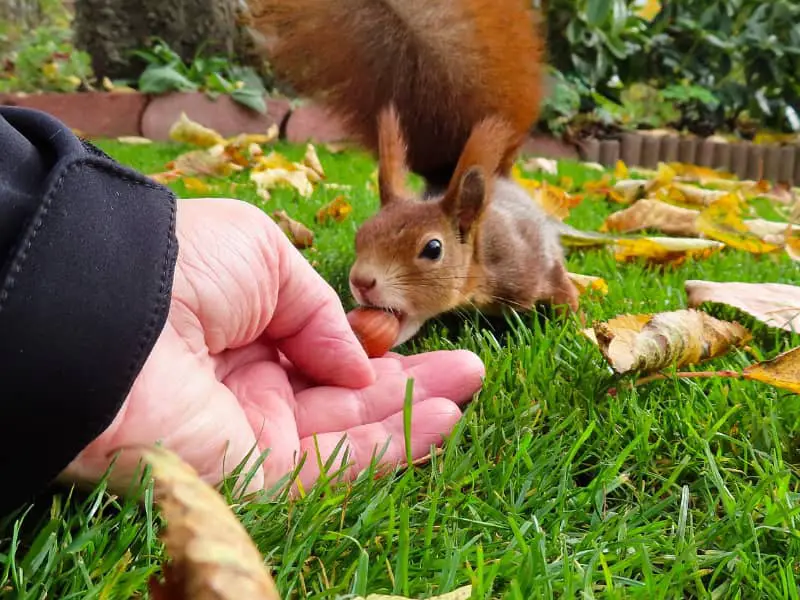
310	327
265	395
431	421
453	374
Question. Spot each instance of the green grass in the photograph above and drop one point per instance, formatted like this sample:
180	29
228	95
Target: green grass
548	488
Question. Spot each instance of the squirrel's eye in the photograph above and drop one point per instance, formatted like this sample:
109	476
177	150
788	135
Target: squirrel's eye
432	250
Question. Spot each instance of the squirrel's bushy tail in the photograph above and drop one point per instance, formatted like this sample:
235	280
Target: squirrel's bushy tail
444	64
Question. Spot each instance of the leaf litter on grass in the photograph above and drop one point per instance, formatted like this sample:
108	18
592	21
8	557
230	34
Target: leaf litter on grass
217	156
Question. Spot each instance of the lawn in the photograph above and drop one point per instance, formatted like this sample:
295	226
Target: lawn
549	487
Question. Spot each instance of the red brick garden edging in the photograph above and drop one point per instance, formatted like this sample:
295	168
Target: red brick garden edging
115	114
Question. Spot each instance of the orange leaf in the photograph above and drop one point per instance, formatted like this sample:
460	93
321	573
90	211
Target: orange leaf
337	210
187	131
783	371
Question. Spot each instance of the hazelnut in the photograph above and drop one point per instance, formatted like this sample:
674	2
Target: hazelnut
375	328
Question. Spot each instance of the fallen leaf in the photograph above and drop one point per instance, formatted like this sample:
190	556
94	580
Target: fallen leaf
572	237
783	371
134	139
627	191
554	200
187	131
677	338
722	221
626	322
665	250
621	170
211	554
462	593
687	195
300	235
774	304
337	210
165	176
204	163
196	185
267	180
589	283
545	165
311	160
792	242
653	214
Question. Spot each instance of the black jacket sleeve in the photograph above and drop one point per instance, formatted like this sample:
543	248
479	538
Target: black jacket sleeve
88	252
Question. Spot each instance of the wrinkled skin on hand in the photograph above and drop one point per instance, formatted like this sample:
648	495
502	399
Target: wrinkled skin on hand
257	354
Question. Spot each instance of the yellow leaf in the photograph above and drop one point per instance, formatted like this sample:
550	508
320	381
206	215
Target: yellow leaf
687	194
589	283
722	221
621	170
337	210
792	241
774	304
196	185
783	371
670	339
626	322
653	214
649	10
664	250
187	131
698	174
301	236
211	554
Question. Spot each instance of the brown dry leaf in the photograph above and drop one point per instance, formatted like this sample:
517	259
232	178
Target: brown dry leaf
462	593
166	176
337	210
311	160
212	556
677	338
589	283
653	214
204	163
722	221
783	371
625	322
774	304
301	236
187	131
697	174
275	170
665	250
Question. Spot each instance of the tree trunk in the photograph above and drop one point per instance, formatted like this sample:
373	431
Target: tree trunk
22	13
110	29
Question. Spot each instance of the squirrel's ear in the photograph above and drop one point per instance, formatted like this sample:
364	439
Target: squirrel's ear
465	203
392	170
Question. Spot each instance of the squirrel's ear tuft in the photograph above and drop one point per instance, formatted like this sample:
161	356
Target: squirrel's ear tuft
392	170
465	202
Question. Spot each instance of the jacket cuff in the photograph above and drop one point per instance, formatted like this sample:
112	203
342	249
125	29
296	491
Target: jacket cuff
83	298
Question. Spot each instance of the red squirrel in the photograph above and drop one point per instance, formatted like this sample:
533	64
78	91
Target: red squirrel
449	91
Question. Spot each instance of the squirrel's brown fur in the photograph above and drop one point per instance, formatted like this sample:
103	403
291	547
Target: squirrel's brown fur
479	58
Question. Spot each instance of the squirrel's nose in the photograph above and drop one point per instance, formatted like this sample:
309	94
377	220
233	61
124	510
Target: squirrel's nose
363	284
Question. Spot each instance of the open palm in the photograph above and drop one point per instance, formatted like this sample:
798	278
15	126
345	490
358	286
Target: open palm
257	353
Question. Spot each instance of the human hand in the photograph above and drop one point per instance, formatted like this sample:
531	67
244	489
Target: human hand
257	354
